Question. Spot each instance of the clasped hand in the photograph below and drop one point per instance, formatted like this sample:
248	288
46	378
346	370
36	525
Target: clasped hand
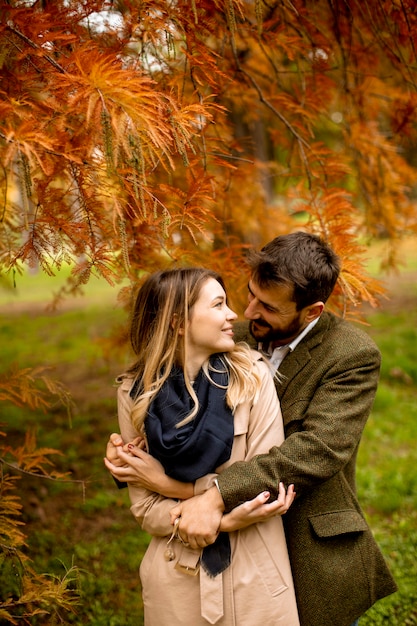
131	463
259	509
201	517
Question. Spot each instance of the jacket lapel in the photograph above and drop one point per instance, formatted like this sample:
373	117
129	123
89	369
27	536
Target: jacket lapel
296	360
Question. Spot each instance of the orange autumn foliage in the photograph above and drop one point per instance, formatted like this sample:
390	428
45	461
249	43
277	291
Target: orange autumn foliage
138	134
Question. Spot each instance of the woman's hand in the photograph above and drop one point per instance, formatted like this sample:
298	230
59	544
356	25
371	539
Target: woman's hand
115	443
131	464
258	509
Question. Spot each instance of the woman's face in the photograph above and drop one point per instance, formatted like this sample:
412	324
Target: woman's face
210	327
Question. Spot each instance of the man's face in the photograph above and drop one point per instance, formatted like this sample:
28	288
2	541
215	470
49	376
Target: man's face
273	314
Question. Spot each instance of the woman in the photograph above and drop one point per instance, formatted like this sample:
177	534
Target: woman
201	402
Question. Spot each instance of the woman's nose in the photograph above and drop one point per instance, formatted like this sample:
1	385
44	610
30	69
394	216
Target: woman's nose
231	315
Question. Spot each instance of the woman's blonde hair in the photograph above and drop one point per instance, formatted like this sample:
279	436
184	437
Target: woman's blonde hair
161	313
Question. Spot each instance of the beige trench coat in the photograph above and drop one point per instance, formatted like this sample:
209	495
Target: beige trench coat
257	589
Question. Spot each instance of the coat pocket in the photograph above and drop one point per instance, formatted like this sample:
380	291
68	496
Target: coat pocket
258	562
334	523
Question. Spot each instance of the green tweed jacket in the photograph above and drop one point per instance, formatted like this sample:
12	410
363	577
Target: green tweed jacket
327	390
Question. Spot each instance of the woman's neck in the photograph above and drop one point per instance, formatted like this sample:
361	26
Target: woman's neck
193	366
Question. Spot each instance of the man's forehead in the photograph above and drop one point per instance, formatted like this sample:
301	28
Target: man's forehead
271	294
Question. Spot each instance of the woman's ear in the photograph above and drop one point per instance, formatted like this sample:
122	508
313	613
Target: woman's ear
174	323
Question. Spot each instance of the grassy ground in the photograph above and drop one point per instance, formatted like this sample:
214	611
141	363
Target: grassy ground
89	524
387	464
86	522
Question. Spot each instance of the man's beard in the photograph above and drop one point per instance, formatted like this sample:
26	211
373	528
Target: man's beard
262	331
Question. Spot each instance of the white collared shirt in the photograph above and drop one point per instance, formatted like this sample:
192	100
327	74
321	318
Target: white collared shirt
277	355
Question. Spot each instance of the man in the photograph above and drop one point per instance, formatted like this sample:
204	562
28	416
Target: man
328	376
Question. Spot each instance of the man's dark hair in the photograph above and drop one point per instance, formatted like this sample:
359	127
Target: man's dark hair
299	260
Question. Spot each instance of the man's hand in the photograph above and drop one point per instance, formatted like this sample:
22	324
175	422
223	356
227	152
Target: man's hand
200	518
115	441
258	509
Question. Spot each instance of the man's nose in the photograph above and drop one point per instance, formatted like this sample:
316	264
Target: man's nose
251	311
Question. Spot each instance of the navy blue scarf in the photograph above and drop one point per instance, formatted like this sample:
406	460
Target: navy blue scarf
198	448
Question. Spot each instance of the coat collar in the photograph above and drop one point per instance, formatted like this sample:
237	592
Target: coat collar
301	355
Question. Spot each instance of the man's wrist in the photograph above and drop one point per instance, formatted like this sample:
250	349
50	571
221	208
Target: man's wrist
216	497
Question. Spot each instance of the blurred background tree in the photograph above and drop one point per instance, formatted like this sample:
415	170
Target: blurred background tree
136	134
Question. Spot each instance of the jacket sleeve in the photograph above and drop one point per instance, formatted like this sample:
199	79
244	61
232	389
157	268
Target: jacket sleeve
150	509
325	412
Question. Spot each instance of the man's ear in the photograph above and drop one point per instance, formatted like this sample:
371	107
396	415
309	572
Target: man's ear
314	311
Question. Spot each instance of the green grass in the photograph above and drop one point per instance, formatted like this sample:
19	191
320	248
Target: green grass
387	464
35	286
89	524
